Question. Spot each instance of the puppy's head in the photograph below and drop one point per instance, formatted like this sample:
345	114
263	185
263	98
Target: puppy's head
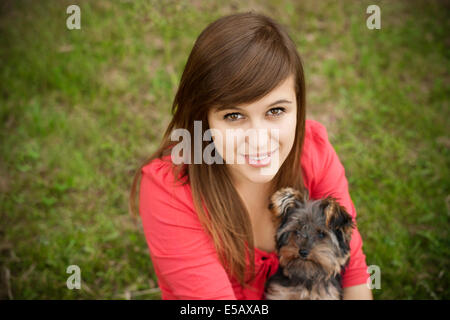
313	236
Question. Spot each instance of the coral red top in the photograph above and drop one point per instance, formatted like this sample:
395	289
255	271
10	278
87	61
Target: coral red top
183	255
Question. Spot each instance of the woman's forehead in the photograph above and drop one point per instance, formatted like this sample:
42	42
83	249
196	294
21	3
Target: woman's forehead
283	93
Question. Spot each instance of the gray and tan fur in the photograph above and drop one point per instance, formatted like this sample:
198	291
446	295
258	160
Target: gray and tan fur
313	246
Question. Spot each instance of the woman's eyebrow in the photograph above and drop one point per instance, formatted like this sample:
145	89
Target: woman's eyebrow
221	108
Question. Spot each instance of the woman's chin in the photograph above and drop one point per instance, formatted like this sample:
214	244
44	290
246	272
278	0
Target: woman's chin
258	177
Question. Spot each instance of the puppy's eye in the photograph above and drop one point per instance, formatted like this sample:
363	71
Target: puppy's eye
321	234
298	233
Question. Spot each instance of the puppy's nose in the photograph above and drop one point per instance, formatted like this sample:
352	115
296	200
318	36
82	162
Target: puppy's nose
303	253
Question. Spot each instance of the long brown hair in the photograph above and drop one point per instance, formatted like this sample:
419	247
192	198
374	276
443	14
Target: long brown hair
237	59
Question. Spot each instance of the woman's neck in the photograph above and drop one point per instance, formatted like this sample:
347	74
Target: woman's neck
255	196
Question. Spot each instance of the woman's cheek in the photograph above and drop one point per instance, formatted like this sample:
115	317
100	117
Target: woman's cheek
287	135
225	148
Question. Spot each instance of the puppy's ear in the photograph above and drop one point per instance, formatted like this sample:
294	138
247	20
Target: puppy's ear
284	199
338	220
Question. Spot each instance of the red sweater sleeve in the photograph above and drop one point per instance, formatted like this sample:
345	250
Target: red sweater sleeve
183	256
329	179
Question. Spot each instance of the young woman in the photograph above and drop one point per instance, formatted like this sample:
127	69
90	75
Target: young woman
207	225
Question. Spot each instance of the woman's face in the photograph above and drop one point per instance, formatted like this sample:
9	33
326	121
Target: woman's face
255	139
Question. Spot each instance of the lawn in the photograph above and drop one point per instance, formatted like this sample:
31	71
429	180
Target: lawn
81	109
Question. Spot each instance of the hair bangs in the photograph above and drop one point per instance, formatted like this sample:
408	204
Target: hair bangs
249	74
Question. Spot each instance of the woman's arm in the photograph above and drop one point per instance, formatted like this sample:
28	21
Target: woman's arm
329	179
183	256
358	292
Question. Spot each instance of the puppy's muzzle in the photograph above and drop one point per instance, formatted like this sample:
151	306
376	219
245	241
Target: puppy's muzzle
303	253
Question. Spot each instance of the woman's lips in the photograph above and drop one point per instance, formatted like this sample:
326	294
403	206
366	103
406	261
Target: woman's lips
260	161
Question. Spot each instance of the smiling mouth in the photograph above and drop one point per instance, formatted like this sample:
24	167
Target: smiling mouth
260	156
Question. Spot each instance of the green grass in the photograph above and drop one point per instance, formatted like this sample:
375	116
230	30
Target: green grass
81	109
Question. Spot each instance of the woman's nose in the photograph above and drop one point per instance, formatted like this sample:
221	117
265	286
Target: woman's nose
257	133
257	139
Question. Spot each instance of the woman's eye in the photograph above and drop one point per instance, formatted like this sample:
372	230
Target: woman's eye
275	112
278	111
231	116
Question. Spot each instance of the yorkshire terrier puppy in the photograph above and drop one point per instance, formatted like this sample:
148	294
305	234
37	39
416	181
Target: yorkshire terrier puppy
313	246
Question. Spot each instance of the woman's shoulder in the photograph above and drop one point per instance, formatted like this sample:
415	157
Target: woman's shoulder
163	195
315	133
316	150
159	168
316	144
161	175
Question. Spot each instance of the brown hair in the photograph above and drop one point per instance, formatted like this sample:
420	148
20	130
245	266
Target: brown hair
237	59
